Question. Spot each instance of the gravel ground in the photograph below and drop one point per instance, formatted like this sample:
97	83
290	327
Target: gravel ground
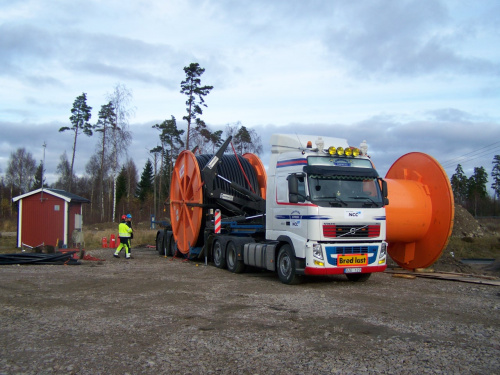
157	315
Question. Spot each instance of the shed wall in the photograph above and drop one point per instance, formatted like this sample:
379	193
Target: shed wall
42	220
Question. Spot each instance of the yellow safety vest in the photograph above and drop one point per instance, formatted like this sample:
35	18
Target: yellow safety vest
124	230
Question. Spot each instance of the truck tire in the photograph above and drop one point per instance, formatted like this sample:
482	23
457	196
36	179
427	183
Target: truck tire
165	246
159	243
358	277
233	263
286	265
218	255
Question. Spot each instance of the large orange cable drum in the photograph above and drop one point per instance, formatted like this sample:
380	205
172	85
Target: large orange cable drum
420	211
188	198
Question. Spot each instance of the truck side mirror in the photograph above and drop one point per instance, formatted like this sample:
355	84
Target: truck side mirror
385	193
293	188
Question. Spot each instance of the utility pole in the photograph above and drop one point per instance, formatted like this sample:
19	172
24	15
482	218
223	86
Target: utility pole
43	167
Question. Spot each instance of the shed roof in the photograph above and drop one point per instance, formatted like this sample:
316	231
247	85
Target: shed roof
62	194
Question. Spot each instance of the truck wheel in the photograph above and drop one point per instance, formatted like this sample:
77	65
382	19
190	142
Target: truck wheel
286	265
359	277
217	254
167	242
159	243
233	264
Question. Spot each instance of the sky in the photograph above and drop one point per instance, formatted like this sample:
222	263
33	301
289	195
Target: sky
405	75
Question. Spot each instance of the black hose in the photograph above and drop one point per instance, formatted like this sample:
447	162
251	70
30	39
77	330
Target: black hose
38	258
229	168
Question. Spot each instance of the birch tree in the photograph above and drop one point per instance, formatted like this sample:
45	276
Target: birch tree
120	135
21	170
105	124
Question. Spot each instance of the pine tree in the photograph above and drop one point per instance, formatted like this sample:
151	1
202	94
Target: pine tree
191	87
245	140
242	140
121	185
477	187
216	140
80	118
145	185
37	182
459	185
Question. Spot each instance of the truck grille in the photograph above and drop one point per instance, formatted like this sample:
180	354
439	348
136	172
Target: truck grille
345	250
333	252
351	231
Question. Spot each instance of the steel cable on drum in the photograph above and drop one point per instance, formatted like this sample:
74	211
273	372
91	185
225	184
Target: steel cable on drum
229	168
192	199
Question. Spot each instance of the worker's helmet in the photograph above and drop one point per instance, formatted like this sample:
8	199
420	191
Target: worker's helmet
129	216
124	217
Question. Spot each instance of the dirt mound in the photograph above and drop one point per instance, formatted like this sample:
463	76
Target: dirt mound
465	225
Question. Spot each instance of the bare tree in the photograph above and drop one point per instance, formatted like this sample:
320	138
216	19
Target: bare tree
120	135
105	124
132	179
93	171
21	170
64	171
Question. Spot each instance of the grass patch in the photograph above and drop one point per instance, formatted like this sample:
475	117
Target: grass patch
8	245
93	238
93	235
474	247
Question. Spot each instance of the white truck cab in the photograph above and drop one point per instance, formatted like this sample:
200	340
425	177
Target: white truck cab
327	202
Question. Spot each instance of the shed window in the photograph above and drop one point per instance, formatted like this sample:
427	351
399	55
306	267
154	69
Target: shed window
56	207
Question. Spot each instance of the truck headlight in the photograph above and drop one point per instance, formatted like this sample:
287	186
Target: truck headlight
317	252
383	250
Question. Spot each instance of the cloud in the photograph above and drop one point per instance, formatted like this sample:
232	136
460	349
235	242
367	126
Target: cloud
27	48
21	46
450	115
122	73
405	38
451	137
404	75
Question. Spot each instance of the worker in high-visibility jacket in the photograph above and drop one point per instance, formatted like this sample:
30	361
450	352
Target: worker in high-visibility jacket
128	221
124	232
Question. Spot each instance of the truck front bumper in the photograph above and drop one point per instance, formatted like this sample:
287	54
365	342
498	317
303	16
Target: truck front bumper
318	271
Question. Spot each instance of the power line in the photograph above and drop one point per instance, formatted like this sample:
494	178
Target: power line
464	160
476	154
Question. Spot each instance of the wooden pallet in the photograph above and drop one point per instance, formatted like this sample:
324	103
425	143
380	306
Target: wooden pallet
450	276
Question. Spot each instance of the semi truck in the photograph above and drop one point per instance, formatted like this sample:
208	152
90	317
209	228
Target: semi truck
320	209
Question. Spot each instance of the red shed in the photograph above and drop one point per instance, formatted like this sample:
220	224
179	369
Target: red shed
48	216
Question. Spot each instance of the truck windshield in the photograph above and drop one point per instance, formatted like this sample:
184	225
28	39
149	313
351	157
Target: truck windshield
344	187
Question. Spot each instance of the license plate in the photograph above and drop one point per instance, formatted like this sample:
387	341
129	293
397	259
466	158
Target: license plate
352	260
352	270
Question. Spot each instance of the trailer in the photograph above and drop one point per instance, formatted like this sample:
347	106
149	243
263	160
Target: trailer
321	209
